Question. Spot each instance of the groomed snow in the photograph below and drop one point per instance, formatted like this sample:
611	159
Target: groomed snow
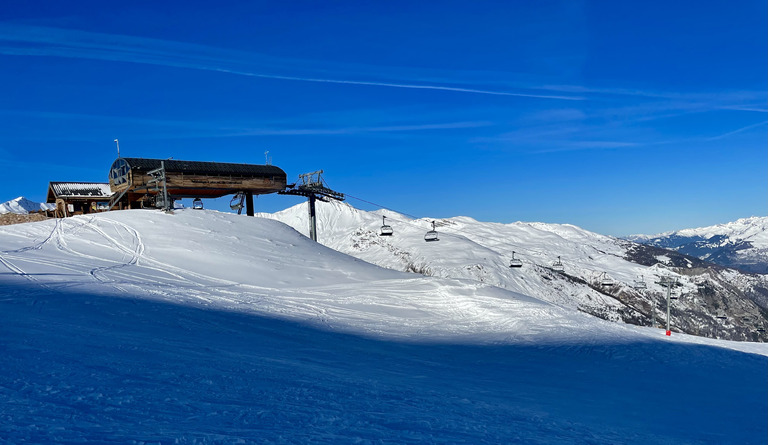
206	327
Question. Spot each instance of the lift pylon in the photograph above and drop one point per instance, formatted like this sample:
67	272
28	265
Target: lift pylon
314	188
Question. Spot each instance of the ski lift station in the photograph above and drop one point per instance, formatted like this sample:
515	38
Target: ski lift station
139	182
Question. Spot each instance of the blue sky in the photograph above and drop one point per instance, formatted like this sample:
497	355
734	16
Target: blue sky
619	117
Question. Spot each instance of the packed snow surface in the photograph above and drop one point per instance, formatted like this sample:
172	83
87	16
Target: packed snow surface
203	327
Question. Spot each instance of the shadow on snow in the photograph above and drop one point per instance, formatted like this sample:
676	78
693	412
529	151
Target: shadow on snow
85	367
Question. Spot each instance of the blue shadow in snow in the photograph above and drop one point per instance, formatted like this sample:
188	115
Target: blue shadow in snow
86	367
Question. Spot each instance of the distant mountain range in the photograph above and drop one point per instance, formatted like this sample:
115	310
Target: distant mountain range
741	244
22	206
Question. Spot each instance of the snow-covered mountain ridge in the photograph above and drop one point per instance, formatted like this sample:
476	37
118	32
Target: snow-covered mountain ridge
741	244
603	275
23	206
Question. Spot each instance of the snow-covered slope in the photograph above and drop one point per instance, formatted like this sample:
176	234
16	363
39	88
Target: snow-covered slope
222	261
22	205
741	244
200	327
601	276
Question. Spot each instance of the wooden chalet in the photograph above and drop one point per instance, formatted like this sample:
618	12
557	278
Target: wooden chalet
77	198
135	184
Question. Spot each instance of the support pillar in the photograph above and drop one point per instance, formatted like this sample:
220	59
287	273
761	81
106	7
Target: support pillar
312	218
249	203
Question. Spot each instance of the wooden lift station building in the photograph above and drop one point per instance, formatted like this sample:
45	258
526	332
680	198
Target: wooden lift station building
140	182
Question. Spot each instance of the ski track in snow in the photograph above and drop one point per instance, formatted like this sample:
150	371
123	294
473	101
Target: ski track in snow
115	329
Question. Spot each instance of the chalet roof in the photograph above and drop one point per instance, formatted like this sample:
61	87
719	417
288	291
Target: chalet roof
205	168
78	190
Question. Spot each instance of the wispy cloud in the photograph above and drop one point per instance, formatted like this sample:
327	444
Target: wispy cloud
563	146
317	125
740	130
57	42
358	130
726	100
405	85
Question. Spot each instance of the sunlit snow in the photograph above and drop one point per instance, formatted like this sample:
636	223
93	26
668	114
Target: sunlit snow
204	327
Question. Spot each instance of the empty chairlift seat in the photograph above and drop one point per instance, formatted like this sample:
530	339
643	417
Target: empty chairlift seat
432	234
557	266
385	229
236	203
605	280
515	262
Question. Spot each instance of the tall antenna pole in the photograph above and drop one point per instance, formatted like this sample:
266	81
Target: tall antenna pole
168	206
118	148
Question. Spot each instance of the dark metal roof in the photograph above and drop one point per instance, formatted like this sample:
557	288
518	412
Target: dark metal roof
205	168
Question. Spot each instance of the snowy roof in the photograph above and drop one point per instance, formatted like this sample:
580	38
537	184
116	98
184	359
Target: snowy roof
78	190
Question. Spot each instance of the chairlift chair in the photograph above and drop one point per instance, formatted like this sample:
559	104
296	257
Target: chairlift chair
606	280
515	262
385	229
432	234
197	204
236	203
557	266
640	284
